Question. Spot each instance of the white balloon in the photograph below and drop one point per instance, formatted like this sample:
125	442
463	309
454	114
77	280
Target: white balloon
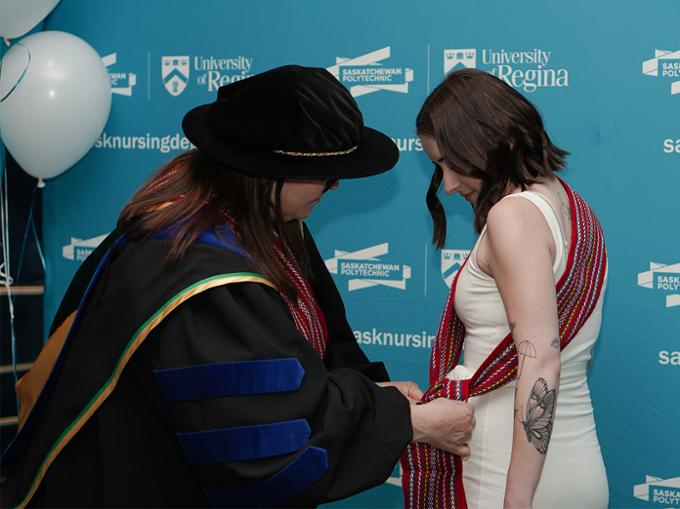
55	99
17	17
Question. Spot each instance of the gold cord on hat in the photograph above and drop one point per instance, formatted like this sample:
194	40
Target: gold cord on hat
317	154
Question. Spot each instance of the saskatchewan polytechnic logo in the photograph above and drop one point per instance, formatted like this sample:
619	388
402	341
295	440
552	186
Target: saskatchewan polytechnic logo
366	74
364	268
660	492
452	259
175	73
121	82
79	249
663	277
665	64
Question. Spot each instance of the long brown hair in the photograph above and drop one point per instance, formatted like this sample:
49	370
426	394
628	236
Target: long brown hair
487	130
192	193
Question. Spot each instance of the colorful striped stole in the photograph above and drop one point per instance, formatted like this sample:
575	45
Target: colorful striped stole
433	478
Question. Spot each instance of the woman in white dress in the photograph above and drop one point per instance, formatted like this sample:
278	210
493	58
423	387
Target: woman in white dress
535	443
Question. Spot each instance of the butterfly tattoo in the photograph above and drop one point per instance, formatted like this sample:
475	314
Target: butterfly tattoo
538	418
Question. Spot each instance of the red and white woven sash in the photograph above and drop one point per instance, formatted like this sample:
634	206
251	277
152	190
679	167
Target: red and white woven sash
305	310
433	478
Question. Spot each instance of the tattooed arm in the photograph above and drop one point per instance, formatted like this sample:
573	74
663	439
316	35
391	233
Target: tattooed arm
519	255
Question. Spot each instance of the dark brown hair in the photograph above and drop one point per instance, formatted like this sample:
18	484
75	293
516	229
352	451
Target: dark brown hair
193	193
487	130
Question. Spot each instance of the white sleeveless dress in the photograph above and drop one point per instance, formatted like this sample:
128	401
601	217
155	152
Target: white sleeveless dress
573	474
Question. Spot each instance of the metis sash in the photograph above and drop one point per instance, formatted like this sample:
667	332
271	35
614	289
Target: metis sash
433	478
304	308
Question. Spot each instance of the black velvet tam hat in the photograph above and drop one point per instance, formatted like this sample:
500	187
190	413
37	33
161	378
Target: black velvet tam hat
290	122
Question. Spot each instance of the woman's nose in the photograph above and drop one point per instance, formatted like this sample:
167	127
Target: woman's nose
451	183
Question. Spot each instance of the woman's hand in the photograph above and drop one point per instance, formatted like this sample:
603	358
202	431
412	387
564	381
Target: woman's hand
408	389
444	424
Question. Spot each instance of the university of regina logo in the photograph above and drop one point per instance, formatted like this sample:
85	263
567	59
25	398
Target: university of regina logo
659	492
527	70
665	64
175	73
79	249
665	278
365	269
366	74
206	72
451	261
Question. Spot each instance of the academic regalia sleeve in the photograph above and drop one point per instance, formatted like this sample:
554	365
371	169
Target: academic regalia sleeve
260	419
343	349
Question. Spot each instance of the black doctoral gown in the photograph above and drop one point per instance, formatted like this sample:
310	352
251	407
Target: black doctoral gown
188	385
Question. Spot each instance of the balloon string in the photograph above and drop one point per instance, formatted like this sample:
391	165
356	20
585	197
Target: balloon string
5	272
38	246
23	73
30	226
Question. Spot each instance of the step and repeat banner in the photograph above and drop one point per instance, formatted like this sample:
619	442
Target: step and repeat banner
606	77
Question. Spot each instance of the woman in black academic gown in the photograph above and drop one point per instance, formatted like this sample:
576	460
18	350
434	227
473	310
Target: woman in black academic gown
209	361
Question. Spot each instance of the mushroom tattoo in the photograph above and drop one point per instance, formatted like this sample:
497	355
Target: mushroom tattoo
524	349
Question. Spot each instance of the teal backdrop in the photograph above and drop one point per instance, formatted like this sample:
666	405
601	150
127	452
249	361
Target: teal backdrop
606	77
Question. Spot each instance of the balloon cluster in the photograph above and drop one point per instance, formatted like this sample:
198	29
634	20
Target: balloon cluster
55	96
